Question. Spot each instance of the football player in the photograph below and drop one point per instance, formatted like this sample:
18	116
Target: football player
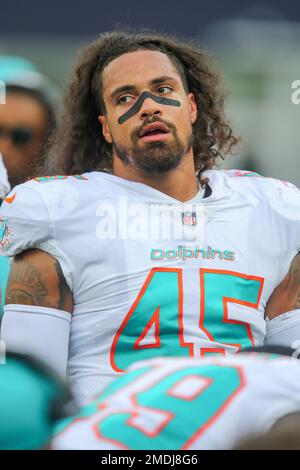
157	253
27	118
27	122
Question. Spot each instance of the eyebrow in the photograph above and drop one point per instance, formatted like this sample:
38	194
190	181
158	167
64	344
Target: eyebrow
133	88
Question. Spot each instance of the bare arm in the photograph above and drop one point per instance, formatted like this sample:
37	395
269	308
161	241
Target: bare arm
36	278
286	296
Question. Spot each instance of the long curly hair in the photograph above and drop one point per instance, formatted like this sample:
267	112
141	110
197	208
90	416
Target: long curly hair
80	146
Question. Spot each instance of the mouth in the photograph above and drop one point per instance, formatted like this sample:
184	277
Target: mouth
154	132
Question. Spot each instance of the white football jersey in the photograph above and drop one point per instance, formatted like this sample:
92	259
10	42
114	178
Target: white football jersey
176	403
4	261
152	276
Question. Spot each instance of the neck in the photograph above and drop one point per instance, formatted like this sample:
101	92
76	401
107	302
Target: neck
180	184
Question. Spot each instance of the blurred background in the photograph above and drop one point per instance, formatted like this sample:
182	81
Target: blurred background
256	44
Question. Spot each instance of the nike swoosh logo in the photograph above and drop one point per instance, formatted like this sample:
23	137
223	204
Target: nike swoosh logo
10	199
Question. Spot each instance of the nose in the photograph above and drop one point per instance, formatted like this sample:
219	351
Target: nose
150	108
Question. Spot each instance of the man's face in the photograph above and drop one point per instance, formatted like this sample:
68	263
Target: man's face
21	149
162	146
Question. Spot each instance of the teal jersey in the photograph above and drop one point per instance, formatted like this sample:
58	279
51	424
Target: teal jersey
4	273
175	403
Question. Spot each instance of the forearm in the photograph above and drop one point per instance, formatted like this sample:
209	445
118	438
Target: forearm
41	332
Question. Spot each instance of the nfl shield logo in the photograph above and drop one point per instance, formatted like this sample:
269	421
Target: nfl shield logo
189	218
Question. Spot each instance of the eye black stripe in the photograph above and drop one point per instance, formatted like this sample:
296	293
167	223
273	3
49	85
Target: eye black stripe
138	104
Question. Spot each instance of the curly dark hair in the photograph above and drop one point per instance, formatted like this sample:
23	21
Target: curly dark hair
80	145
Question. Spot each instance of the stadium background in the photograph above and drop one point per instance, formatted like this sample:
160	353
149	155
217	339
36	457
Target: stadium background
255	43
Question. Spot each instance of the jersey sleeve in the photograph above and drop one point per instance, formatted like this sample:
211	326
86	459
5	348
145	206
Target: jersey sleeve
287	207
284	199
27	221
24	221
277	204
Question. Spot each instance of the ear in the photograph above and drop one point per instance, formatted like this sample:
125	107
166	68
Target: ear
193	107
105	129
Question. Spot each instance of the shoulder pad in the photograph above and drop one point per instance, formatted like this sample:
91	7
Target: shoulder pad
24	220
282	196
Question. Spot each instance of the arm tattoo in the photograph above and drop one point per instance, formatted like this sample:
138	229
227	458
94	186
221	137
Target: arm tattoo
295	273
25	285
28	284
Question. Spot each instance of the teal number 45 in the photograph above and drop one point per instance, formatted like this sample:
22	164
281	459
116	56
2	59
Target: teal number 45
159	307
